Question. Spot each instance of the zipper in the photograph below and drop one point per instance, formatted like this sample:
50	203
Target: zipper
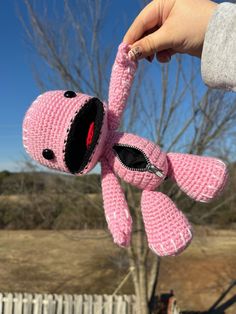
149	167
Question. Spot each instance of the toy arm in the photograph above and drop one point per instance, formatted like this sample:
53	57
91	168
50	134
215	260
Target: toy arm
122	75
168	230
202	178
115	205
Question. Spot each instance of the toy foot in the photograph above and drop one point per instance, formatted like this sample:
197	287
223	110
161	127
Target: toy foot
168	230
201	178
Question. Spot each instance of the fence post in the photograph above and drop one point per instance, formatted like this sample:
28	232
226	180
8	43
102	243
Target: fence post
98	304
85	304
27	303
67	304
59	301
8	300
1	303
38	304
78	304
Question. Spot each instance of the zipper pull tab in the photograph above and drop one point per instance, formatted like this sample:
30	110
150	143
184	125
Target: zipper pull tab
153	169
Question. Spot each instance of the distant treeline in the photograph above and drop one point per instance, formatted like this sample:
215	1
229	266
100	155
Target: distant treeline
42	200
30	182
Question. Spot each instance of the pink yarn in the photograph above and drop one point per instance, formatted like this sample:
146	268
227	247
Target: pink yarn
71	132
201	178
116	209
143	180
167	229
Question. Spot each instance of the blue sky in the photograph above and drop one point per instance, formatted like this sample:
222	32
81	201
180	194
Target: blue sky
17	85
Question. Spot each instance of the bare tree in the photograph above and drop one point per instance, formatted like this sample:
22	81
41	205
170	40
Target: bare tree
176	112
198	128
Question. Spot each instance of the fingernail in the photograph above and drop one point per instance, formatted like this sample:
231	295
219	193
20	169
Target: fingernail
135	53
150	58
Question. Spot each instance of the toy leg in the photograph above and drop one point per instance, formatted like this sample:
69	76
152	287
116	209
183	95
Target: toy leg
168	230
116	208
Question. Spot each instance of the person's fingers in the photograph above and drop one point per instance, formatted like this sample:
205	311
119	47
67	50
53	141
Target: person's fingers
147	19
151	44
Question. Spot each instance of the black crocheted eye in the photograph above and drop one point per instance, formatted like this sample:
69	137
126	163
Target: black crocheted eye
69	94
48	154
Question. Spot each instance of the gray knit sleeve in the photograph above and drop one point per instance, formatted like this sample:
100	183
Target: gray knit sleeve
218	64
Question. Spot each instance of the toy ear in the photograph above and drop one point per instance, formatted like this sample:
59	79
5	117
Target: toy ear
201	178
115	206
168	230
122	76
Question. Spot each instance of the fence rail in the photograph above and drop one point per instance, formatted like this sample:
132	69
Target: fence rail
26	303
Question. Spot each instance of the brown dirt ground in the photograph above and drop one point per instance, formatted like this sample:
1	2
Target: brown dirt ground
83	262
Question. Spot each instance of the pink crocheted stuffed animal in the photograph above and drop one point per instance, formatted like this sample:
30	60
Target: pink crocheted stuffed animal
71	132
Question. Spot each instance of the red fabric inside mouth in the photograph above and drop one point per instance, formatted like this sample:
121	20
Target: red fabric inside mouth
90	134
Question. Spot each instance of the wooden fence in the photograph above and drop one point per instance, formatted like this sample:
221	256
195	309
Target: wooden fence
25	303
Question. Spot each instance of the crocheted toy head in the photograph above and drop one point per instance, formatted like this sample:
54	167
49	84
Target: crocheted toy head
71	132
65	130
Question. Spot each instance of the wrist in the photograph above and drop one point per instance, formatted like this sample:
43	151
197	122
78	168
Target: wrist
209	12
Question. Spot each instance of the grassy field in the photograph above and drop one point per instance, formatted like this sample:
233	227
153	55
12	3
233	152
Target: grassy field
88	262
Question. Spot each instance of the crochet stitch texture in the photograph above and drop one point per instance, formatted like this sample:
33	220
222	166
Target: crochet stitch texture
71	132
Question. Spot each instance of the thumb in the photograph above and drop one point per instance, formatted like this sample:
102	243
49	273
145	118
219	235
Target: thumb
150	44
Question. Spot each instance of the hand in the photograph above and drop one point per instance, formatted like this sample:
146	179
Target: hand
165	27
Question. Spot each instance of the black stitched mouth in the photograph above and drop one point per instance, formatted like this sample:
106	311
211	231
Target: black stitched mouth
83	135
